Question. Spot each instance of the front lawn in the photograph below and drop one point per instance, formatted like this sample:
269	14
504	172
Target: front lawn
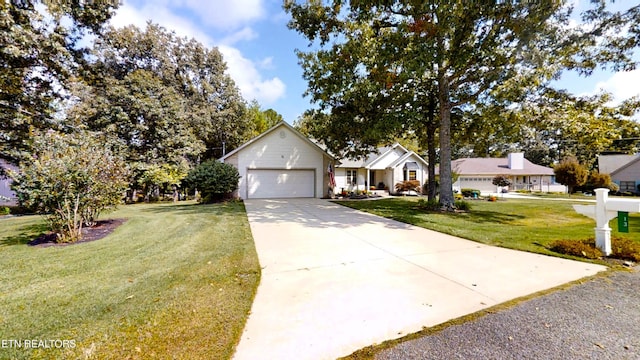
174	281
522	224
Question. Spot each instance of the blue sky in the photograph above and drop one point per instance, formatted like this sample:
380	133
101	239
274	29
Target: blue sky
259	48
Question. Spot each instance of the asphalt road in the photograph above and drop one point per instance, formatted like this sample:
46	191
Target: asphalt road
598	319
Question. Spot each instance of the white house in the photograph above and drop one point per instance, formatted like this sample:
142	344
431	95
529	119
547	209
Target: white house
281	163
478	173
388	166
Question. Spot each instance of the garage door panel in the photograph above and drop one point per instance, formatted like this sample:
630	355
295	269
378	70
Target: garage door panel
273	183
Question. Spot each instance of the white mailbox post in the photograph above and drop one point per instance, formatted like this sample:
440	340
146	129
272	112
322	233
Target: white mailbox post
603	211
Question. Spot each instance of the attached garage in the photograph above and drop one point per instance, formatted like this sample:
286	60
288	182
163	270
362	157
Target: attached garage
280	183
281	163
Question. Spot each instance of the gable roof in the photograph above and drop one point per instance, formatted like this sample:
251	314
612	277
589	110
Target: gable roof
373	157
407	156
608	164
495	166
626	166
274	128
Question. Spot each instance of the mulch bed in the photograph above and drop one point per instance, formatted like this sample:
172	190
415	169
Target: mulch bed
101	229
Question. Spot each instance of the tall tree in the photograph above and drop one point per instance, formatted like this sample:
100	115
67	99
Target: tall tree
176	90
460	52
262	120
40	51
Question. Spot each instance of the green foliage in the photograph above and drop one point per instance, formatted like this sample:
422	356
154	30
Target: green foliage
463	205
166	97
501	180
215	180
434	205
4	210
469	193
429	205
154	178
570	173
383	68
262	121
39	55
598	180
408	185
71	179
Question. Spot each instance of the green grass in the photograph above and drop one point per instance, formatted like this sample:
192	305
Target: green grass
522	224
174	281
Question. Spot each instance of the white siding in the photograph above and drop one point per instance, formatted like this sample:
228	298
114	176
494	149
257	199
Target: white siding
387	160
263	184
281	149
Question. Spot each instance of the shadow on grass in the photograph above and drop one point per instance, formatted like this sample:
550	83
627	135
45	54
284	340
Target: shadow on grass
401	211
492	217
195	208
27	233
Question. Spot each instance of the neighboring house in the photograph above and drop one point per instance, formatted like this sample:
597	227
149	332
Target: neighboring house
478	173
623	169
5	186
281	163
389	166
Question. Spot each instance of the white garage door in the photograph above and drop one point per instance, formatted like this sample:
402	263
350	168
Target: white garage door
265	184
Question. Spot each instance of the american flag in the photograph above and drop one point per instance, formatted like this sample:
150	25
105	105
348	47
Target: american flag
332	178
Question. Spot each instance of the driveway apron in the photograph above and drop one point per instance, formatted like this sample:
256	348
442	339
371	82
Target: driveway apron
335	280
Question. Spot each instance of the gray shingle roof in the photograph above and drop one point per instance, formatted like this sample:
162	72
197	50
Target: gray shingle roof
495	166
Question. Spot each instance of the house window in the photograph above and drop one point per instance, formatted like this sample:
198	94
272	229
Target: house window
351	176
627	186
413	175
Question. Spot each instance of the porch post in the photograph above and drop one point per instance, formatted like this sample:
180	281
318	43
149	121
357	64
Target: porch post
368	180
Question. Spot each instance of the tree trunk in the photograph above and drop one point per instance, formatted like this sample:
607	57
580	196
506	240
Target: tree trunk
446	189
432	126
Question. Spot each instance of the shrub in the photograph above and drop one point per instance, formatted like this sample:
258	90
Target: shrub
462	205
570	173
215	180
409	185
621	248
582	248
625	249
71	178
429	205
598	180
501	180
4	210
470	192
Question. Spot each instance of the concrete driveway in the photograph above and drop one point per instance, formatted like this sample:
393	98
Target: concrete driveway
335	280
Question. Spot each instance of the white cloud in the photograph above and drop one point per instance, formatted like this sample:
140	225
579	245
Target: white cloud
129	15
244	72
266	63
622	85
227	14
245	34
